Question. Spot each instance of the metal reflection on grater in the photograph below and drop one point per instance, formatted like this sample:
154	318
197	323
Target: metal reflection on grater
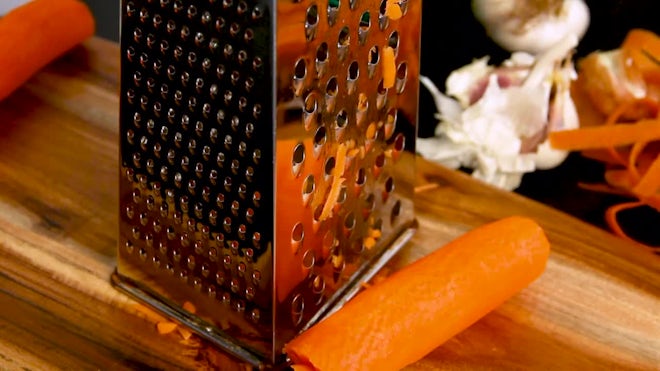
260	153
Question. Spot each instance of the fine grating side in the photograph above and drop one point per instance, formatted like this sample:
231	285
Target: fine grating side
260	158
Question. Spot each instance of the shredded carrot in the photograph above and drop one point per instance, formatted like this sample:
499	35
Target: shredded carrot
184	332
166	327
393	10
337	181
627	140
612	221
190	307
389	67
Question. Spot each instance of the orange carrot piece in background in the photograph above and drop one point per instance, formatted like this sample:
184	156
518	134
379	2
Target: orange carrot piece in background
641	50
605	136
389	67
36	33
410	313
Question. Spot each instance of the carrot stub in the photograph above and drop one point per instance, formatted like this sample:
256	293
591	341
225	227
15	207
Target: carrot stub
36	33
410	313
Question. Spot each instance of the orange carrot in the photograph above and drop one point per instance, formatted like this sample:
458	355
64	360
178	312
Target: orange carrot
34	34
389	67
404	317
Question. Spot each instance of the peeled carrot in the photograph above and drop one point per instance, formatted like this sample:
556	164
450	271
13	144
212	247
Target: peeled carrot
404	317
34	34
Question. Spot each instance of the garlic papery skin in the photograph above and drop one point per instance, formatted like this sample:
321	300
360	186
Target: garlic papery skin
538	32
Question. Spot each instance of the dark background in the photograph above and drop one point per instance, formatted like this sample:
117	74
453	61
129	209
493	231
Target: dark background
451	37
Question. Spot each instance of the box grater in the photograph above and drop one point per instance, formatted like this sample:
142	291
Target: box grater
261	147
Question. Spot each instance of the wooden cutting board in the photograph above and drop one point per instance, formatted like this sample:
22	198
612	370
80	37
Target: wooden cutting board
597	306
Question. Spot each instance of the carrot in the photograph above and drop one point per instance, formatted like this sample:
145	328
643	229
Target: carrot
34	34
404	317
389	67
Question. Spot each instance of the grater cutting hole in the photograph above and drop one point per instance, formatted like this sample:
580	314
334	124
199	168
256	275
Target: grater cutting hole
329	167
374	57
298	159
309	111
331	90
362	107
363	28
396	212
369	205
352	76
341	120
129	247
379	163
332	11
311	22
308	260
387	188
297	237
130	9
297	309
343	42
349	224
401	77
393	41
320	139
322	59
390	123
309	186
383	19
299	74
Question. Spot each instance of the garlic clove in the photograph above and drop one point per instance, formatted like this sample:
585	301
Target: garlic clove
535	35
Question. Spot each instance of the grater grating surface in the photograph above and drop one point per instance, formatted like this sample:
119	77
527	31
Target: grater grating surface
259	158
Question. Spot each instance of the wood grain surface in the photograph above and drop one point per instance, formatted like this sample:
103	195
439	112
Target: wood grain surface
596	307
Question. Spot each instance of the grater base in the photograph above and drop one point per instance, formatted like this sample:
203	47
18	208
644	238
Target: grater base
202	328
217	337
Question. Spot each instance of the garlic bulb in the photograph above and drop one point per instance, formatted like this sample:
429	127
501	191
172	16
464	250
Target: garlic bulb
531	26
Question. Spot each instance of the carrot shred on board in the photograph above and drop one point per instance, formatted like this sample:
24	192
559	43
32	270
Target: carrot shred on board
36	33
612	220
389	67
166	327
413	311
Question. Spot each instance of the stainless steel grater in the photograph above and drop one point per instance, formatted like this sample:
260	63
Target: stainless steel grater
261	144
